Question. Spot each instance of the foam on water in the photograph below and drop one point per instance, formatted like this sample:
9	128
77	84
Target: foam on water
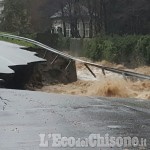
111	85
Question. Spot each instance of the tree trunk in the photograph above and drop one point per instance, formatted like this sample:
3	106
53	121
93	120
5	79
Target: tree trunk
63	19
83	23
91	27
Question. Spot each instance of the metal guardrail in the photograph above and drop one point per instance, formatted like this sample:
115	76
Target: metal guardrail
86	63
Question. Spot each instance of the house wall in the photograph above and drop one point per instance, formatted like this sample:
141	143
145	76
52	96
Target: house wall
81	30
59	24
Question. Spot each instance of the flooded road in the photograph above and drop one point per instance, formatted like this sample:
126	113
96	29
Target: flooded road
111	85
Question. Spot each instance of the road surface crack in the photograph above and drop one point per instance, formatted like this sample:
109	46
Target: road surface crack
4	102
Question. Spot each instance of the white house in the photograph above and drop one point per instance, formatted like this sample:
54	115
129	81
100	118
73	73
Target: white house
57	23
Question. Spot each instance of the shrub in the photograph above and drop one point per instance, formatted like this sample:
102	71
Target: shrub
98	49
48	38
129	49
94	49
63	43
125	47
143	50
110	52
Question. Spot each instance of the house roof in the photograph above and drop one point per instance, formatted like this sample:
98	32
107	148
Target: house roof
58	14
12	55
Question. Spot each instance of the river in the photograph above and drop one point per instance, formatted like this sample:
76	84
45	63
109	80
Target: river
111	85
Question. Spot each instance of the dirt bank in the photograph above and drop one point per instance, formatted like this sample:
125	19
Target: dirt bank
111	85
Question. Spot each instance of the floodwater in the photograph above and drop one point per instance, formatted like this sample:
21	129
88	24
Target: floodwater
111	85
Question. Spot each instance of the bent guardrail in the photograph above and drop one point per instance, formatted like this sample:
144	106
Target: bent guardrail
86	63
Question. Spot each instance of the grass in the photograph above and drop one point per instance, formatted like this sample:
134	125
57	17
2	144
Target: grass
19	42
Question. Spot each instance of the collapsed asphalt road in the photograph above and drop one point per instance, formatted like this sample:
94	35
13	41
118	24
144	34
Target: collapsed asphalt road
11	55
16	65
24	115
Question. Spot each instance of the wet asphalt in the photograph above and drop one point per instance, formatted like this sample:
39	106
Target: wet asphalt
24	115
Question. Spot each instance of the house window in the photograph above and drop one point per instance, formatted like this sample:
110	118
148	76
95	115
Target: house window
87	32
68	32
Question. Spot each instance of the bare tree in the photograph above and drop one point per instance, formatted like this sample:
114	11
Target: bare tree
91	14
63	17
73	8
81	16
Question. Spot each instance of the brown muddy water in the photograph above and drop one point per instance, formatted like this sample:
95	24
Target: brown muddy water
111	85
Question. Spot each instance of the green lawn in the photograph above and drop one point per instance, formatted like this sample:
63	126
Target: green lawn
19	42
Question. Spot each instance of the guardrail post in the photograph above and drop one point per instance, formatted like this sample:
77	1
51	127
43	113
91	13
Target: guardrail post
45	54
90	70
54	60
103	71
68	65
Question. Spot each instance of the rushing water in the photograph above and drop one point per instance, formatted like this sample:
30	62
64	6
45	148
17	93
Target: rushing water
111	85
